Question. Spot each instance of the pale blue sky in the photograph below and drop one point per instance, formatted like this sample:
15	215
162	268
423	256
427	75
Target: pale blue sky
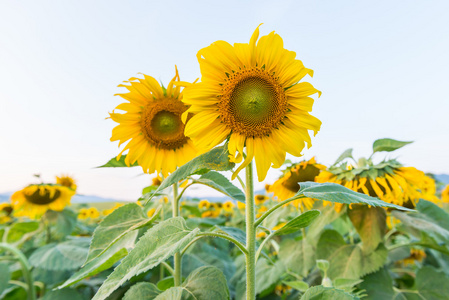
382	67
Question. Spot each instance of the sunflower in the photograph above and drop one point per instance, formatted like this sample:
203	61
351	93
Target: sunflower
228	206
259	199
151	212
34	200
250	94
415	255
204	204
288	184
389	181
152	125
67	181
445	194
5	212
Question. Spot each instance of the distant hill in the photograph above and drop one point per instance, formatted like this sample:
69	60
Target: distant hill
444	178
76	199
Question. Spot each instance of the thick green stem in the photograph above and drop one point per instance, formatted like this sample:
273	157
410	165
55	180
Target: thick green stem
177	257
250	235
26	269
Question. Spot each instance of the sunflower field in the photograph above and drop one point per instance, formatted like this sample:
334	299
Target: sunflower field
361	228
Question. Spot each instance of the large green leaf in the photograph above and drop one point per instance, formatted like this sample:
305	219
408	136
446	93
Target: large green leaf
378	285
18	232
348	261
268	274
116	225
326	293
142	291
105	260
434	213
220	183
234	232
327	216
298	256
156	245
388	145
346	154
204	283
5	276
61	223
337	193
114	163
66	294
216	159
370	223
67	255
431	284
301	221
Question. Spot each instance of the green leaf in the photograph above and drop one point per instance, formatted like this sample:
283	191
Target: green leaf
298	256
268	274
346	154
105	260
142	291
431	284
204	283
388	145
301	221
346	284
114	163
434	213
325	293
328	215
166	283
67	255
19	232
220	183
5	276
66	294
216	159
370	223
348	261
378	285
234	232
297	285
322	264
61	223
337	193
121	221
156	245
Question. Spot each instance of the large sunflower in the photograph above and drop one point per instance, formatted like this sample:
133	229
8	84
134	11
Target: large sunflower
34	200
389	181
250	94
288	184
152	125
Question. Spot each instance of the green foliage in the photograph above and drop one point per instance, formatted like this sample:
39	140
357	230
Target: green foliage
220	183
155	246
67	255
297	256
61	223
267	274
5	276
142	291
327	216
216	159
388	145
236	233
301	221
346	154
370	223
114	163
348	261
116	225
326	293
204	283
297	285
337	193
19	232
66	294
105	260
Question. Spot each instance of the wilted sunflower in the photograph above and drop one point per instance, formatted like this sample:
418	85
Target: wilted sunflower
34	200
389	181
152	125
288	184
67	181
250	94
5	212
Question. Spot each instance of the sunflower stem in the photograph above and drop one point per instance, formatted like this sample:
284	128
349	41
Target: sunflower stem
250	235
177	257
26	269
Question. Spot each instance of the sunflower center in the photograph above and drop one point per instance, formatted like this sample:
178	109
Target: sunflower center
253	103
298	175
161	123
42	197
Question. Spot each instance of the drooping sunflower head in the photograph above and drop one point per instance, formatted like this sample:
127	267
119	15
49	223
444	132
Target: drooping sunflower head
67	181
5	212
289	183
152	126
34	200
250	94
